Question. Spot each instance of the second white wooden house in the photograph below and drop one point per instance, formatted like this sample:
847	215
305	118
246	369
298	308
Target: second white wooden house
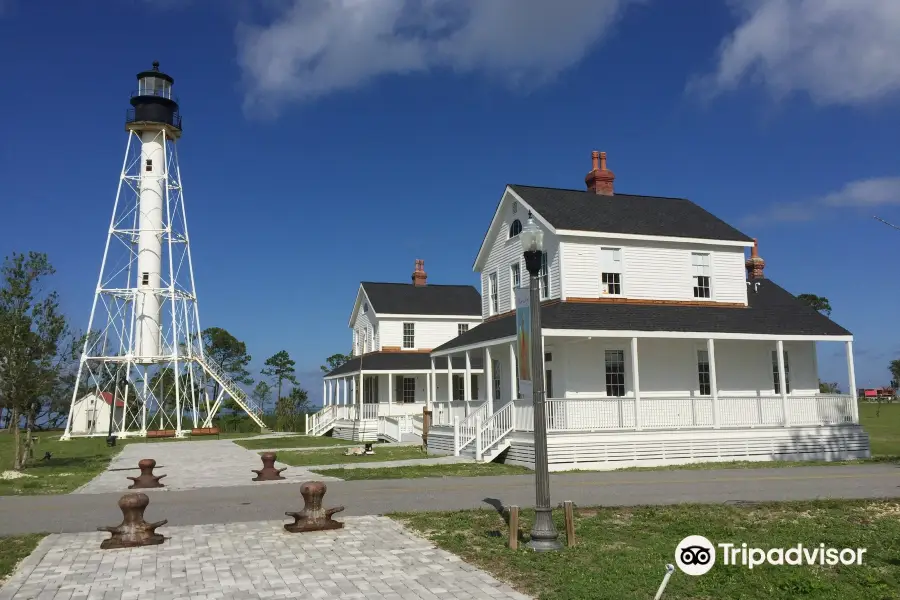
388	378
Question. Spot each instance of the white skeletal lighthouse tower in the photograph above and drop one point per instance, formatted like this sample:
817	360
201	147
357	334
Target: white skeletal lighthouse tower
143	366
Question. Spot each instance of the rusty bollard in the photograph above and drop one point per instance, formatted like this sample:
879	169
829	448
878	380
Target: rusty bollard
313	517
133	531
146	479
268	472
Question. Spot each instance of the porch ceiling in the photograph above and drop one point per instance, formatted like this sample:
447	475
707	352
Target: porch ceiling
399	362
772	311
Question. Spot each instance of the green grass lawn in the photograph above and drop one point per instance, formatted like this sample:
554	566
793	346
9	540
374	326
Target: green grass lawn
620	553
14	549
417	472
336	456
294	441
73	464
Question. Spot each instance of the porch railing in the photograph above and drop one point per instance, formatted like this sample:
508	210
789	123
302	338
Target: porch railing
618	413
496	428
445	413
389	427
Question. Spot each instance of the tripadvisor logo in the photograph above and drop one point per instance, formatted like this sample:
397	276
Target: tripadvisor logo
696	555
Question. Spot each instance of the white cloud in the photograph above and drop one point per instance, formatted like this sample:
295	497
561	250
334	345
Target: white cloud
863	193
316	47
837	51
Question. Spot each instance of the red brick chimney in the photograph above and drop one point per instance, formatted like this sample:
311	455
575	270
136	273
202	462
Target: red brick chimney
419	277
755	264
600	179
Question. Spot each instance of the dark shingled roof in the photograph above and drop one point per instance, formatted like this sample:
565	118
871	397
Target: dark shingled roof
409	299
400	361
624	213
772	310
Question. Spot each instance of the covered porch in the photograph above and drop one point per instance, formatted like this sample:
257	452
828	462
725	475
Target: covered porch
372	395
619	398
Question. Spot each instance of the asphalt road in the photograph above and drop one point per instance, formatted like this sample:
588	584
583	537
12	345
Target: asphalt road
85	512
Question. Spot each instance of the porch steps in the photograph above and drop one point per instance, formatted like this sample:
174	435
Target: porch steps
490	455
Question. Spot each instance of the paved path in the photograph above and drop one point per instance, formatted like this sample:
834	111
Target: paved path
190	465
372	557
413	462
259	502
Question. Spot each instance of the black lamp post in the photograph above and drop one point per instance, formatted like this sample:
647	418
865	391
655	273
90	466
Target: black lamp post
543	534
110	438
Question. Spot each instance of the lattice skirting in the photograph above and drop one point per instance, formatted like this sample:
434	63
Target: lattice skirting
606	451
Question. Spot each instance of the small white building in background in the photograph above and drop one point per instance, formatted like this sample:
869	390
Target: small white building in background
91	413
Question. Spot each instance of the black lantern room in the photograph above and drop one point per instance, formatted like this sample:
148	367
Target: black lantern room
153	101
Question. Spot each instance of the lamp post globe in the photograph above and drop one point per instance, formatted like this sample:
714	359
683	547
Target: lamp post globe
544	536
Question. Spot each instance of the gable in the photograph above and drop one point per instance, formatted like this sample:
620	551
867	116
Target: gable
362	300
511	207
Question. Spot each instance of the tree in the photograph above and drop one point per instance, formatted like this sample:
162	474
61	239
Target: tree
334	361
280	367
289	409
262	393
894	368
819	303
31	329
231	354
829	388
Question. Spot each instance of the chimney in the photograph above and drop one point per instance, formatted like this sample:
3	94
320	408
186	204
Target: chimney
755	264
600	179
419	277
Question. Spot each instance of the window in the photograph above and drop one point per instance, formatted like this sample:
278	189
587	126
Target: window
515	228
492	292
544	278
148	165
548	356
409	390
366	307
515	207
611	271
462	328
787	372
615	373
459	391
515	279
495	371
473	386
703	372
700	264
145	278
409	335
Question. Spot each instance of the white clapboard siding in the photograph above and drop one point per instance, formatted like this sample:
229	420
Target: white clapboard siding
429	333
651	270
505	251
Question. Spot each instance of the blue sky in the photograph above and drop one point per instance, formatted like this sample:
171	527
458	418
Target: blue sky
330	142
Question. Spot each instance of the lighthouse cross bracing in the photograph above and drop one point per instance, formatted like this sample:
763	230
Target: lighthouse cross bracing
143	365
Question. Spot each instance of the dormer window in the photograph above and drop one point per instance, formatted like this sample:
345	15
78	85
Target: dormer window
702	274
515	229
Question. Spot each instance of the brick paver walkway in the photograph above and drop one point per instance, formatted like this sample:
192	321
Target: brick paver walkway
372	557
189	466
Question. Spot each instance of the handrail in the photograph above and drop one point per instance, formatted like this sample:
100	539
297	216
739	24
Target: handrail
468	426
253	410
498	426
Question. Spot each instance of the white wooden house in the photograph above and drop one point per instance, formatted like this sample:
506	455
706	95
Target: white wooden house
663	344
395	326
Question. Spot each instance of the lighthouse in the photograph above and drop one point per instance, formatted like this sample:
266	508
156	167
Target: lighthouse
143	370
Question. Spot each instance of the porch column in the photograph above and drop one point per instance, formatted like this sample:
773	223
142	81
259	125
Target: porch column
489	380
432	385
467	385
390	397
779	350
713	385
851	381
324	392
636	383
513	393
346	392
362	390
449	378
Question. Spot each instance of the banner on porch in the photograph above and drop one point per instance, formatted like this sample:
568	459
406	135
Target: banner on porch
523	331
